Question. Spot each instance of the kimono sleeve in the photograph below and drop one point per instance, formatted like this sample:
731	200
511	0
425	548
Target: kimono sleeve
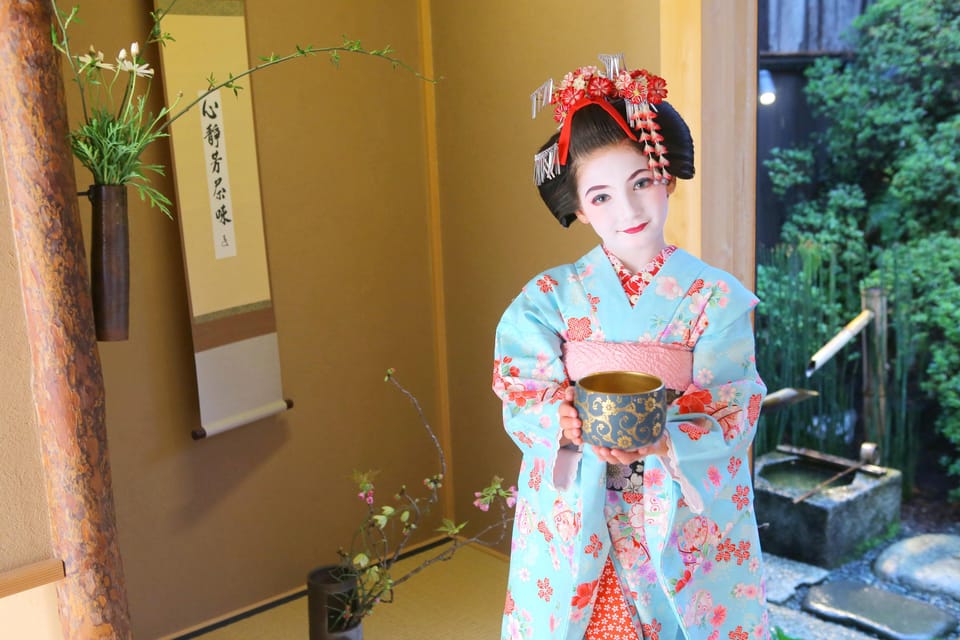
530	378
713	423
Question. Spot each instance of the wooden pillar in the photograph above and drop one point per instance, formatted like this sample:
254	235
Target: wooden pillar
874	343
708	54
67	380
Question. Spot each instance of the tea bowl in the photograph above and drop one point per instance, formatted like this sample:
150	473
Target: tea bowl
621	409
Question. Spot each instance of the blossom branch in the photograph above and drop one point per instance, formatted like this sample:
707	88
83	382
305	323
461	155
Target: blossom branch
458	542
380	550
111	139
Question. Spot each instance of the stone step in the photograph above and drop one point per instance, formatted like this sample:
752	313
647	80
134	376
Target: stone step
804	626
783	576
879	611
929	562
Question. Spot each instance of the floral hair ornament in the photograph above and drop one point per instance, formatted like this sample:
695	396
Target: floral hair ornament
640	90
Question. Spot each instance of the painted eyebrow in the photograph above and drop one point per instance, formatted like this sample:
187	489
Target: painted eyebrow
603	186
598	187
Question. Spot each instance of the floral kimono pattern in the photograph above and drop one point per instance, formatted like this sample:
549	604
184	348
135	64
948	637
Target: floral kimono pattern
680	530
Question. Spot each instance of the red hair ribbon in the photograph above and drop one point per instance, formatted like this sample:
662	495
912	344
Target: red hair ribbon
563	144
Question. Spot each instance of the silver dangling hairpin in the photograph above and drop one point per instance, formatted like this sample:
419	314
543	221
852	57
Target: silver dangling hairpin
541	97
613	63
546	165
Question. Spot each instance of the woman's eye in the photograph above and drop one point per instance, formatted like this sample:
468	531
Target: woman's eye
600	199
642	183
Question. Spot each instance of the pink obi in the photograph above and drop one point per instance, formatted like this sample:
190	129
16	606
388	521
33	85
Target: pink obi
672	363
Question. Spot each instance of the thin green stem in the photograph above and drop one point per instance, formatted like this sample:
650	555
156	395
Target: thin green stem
300	53
63	44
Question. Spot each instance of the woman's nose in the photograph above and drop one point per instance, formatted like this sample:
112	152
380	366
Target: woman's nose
635	202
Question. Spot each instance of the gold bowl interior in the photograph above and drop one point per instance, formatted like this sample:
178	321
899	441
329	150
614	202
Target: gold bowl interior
620	382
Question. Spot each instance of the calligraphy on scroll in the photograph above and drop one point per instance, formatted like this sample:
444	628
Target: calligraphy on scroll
218	176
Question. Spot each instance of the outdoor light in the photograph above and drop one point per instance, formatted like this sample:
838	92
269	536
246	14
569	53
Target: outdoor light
765	88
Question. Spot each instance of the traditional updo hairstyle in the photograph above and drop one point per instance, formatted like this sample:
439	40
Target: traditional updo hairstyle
592	128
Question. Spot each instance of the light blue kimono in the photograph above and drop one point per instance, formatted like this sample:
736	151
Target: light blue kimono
682	528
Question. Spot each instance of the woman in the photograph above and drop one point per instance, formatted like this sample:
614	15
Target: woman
658	543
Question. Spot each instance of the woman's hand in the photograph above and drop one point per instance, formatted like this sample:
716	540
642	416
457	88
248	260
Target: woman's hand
569	420
619	456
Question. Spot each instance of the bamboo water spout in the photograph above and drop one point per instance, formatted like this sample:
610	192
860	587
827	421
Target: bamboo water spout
838	341
786	397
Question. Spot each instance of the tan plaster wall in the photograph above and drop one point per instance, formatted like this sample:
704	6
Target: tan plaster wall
24	523
32	614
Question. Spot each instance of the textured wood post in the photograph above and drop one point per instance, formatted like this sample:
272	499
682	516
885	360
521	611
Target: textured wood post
67	380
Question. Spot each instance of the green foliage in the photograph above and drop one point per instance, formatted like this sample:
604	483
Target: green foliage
790	169
901	83
780	634
923	279
878	190
893	529
925	182
800	310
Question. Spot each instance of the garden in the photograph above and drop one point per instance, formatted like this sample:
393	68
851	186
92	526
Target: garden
873	208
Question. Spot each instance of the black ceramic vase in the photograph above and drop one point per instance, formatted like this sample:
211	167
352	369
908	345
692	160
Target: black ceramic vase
110	261
328	594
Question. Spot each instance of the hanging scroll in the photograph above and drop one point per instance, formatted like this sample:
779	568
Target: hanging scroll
221	221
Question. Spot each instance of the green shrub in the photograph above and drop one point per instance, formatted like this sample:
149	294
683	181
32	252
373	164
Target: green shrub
923	280
878	191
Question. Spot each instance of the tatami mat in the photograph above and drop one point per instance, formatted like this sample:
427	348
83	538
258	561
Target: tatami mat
460	599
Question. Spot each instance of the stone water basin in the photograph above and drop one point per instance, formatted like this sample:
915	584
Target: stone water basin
830	526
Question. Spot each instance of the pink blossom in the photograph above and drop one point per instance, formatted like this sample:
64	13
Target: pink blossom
714	474
653	477
698	302
743	590
727	393
719	615
669	288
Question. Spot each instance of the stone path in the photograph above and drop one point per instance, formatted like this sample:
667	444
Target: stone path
804	626
930	562
843	609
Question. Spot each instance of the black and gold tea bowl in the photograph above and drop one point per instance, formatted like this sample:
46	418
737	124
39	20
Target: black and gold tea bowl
621	409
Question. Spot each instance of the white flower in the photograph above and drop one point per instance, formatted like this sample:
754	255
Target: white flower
122	55
704	377
94	59
134	50
142	70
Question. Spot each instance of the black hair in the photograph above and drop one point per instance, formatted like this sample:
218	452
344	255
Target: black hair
592	128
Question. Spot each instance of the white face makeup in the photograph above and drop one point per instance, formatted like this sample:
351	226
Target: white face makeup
620	200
